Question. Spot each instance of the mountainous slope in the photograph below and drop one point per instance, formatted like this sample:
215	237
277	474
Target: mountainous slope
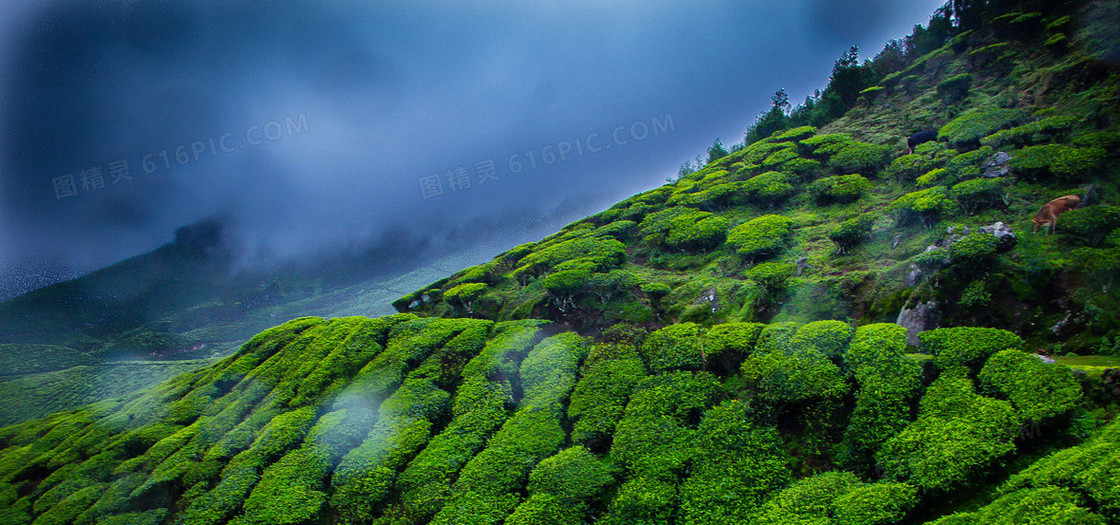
208	314
404	419
834	223
713	351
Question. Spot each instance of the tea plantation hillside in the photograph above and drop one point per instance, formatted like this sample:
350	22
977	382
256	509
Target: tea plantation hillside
405	419
725	349
833	222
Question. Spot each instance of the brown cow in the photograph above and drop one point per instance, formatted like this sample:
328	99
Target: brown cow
1050	211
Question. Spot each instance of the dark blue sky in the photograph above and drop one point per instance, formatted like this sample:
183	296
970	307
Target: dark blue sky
312	125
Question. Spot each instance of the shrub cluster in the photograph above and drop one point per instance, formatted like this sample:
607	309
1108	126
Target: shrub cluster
1090	225
1049	129
859	157
850	233
956	436
485	488
600	396
965	345
1038	391
839	189
923	205
561	488
768	189
977	194
965	131
761	237
1065	162
737	465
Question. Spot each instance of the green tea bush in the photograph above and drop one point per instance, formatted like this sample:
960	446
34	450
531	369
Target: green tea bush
464	294
768	189
1107	139
759	151
965	345
825	144
560	488
882	410
827	337
796	134
738	464
1089	469
875	346
931	177
366	474
603	253
620	230
643	499
808	500
730	343
70	507
875	504
482	273
1039	391
601	394
291	491
1049	129
655	227
573	476
761	237
681	346
978	194
781	377
965	131
805	169
484	489
771	276
1066	162
860	157
478	409
697	233
777	337
1090	225
734	337
1051	505
654	437
850	233
839	189
923	205
888	381
974	254
779	158
958	434
908	167
954	88
967	165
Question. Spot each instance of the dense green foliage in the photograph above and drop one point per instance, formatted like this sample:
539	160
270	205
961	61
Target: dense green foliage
760	237
721	349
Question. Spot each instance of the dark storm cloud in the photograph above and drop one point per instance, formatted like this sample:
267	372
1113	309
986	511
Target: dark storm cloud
389	93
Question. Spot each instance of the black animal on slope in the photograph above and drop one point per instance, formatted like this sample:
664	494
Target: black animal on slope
920	137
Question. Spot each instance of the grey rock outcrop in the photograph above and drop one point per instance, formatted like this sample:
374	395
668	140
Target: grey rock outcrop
922	317
1003	234
996	166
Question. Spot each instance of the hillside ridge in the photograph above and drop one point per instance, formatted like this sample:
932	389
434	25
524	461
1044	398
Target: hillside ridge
719	350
